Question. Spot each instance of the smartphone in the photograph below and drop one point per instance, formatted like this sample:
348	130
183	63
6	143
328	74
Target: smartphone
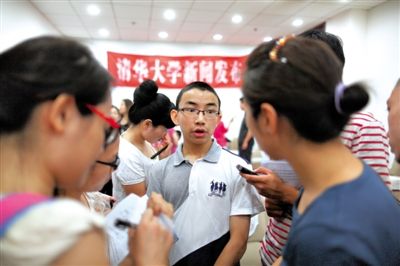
244	170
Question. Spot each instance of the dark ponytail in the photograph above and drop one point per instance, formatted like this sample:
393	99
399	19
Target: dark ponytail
355	97
148	104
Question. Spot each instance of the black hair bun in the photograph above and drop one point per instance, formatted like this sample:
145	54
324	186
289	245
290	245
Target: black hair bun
145	93
355	97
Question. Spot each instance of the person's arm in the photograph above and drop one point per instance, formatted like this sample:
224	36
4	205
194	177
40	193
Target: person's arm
165	142
132	172
127	261
278	261
138	189
157	203
150	243
246	140
275	208
279	196
271	186
236	246
89	250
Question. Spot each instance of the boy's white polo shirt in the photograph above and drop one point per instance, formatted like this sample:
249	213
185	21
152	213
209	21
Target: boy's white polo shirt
204	196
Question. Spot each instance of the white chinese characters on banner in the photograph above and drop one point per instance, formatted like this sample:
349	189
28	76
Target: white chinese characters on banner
190	71
206	71
236	72
221	67
176	72
141	70
158	68
124	69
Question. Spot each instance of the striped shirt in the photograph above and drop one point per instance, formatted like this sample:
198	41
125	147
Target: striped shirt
366	138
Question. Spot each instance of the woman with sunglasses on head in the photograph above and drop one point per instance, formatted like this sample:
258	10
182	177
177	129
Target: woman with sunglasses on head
150	119
296	107
52	102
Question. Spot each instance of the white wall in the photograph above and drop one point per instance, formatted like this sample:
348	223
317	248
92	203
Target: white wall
383	53
351	27
19	20
371	42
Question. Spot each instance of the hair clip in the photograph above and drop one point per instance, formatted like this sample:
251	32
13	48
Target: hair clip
273	54
339	91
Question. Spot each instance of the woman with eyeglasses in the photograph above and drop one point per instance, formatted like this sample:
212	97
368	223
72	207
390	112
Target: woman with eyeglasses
99	175
296	107
53	100
150	119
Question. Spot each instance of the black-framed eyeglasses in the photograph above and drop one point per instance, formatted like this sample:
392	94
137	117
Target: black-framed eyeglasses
194	113
114	164
111	133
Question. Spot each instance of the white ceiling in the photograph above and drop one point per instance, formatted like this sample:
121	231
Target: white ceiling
196	20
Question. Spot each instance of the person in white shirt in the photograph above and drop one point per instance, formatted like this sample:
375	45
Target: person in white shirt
150	119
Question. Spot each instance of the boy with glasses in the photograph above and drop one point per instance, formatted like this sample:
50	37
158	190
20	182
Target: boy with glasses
213	203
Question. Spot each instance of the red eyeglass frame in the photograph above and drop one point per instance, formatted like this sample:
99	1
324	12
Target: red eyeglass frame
99	113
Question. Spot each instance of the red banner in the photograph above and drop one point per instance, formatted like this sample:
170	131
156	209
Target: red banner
129	70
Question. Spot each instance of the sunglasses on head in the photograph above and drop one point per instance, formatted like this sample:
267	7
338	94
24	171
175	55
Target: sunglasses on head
111	133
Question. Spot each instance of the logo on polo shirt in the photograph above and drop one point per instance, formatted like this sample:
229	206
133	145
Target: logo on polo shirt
217	189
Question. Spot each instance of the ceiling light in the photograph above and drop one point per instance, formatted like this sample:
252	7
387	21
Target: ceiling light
163	34
267	39
297	22
93	10
237	18
103	32
217	37
169	14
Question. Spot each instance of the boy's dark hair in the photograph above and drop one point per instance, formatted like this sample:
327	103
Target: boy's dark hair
200	85
42	68
334	42
302	87
148	104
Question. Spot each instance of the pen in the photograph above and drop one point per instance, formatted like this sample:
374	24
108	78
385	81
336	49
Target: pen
122	224
159	152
